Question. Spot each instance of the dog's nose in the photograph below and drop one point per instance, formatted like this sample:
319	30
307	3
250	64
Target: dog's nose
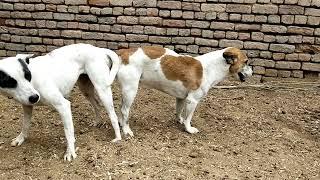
33	99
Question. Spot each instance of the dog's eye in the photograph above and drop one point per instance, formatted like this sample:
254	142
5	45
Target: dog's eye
7	81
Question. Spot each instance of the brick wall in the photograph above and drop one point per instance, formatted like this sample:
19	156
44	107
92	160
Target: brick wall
281	37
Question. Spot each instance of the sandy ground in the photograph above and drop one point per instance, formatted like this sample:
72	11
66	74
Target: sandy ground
250	133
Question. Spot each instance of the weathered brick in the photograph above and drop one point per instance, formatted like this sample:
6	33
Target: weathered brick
265	9
297	74
62	8
222	26
312	20
193	49
312	12
285	48
114	37
238	8
291	9
63	16
206	42
197	24
287	19
278	56
182	40
300	30
36	48
22	15
102	3
15	47
284	73
315	58
136	37
262	62
300	19
184	32
86	18
259	70
231	35
269	38
271	73
152	12
315	3
150	20
213	7
95	10
76	2
119	11
169	4
143	3
256	45
292	57
231	43
311	67
127	20
174	23
260	18
295	39
160	39
49	32
304	57
188	15
247	27
190	6
274	19
273	28
71	33
176	13
248	18
39	7
172	31
308	40
288	65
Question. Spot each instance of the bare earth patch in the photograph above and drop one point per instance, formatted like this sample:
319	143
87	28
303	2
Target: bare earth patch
244	134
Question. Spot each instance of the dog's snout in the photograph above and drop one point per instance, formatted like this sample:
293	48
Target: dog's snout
34	98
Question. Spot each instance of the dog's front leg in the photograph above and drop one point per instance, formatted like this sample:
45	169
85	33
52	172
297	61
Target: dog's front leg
26	123
191	105
64	110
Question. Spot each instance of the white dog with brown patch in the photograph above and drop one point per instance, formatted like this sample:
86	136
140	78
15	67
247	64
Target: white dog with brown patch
184	77
52	78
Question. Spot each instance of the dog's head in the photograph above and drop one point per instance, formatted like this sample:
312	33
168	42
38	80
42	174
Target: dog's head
238	63
15	79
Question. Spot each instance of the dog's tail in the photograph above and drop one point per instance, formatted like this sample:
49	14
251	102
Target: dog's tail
114	66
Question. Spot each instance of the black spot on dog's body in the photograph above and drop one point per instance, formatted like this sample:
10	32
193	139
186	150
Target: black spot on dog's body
27	73
7	81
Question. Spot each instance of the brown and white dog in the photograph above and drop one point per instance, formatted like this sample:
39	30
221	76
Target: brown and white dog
184	77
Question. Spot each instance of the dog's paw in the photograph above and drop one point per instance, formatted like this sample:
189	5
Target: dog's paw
70	155
192	130
116	140
18	140
127	131
180	120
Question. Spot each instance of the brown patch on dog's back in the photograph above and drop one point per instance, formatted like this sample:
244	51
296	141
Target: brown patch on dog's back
153	52
125	53
239	59
183	68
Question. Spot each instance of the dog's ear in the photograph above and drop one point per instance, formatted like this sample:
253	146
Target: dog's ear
230	57
25	57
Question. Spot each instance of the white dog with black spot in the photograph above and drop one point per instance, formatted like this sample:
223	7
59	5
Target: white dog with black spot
50	78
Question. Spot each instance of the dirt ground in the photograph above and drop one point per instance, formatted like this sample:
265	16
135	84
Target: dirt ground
251	133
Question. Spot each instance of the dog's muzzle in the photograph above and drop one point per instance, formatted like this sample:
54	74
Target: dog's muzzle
242	77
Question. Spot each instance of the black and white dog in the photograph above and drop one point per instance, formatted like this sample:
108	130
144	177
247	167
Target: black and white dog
53	76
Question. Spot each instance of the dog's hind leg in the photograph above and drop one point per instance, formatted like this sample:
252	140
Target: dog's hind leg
180	104
98	76
87	89
26	123
129	82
